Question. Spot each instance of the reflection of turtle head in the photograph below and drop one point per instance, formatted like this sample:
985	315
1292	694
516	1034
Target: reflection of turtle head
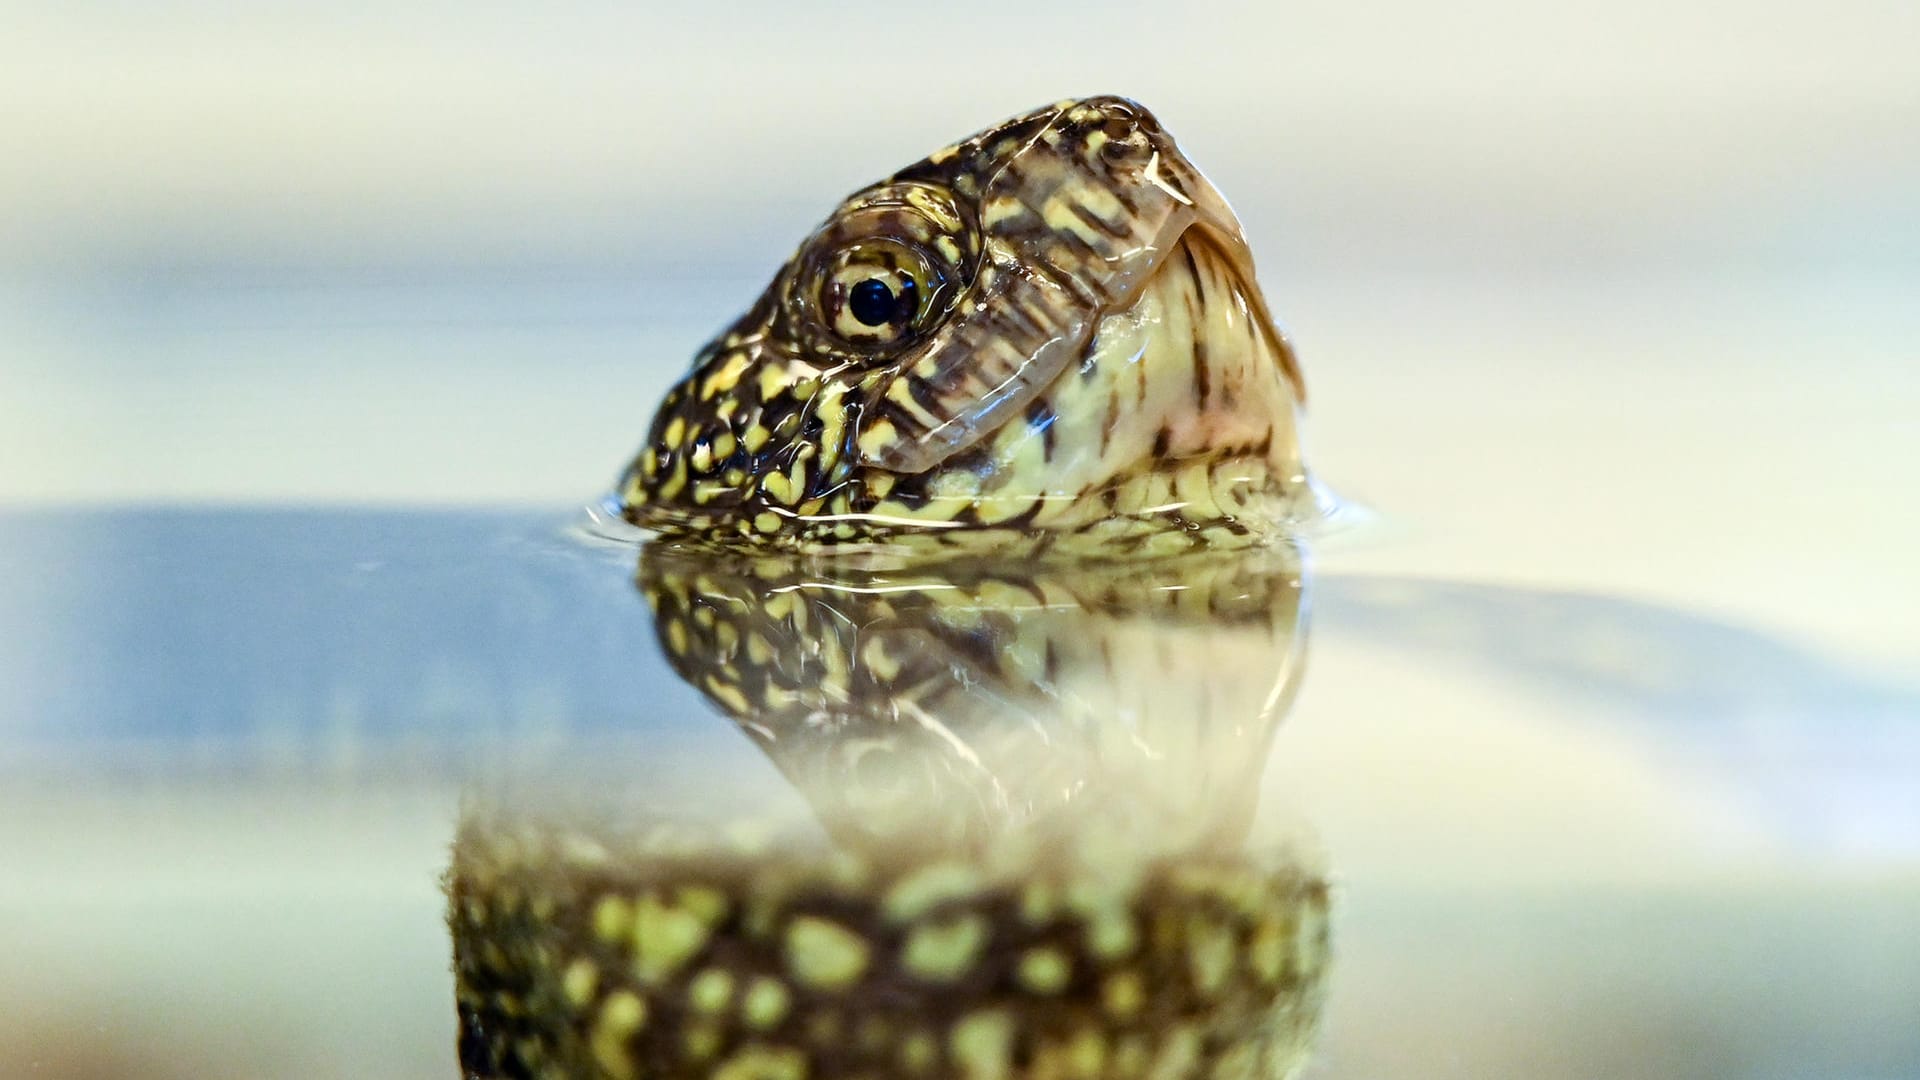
953	704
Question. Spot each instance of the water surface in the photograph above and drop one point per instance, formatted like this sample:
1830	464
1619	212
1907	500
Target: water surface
1569	834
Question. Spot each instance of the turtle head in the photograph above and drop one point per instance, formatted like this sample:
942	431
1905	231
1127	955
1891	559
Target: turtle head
1049	325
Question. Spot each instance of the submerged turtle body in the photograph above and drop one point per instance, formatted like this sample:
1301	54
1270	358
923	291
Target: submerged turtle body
1051	328
632	954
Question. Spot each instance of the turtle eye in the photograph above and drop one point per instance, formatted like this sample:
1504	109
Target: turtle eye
875	293
877	301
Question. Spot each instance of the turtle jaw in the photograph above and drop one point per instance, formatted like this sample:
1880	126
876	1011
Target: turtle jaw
1178	413
1211	220
1211	376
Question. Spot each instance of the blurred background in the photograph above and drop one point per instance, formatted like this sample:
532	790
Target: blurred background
1617	301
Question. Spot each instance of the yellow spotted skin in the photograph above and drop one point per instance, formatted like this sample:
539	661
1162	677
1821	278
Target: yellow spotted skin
1197	965
1076	350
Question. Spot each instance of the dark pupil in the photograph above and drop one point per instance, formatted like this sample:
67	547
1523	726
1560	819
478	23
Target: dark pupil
874	304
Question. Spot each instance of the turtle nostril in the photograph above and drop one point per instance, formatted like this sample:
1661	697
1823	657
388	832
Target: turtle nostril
1120	128
1123	144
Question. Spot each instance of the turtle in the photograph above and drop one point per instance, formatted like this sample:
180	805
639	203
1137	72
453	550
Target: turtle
1046	340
